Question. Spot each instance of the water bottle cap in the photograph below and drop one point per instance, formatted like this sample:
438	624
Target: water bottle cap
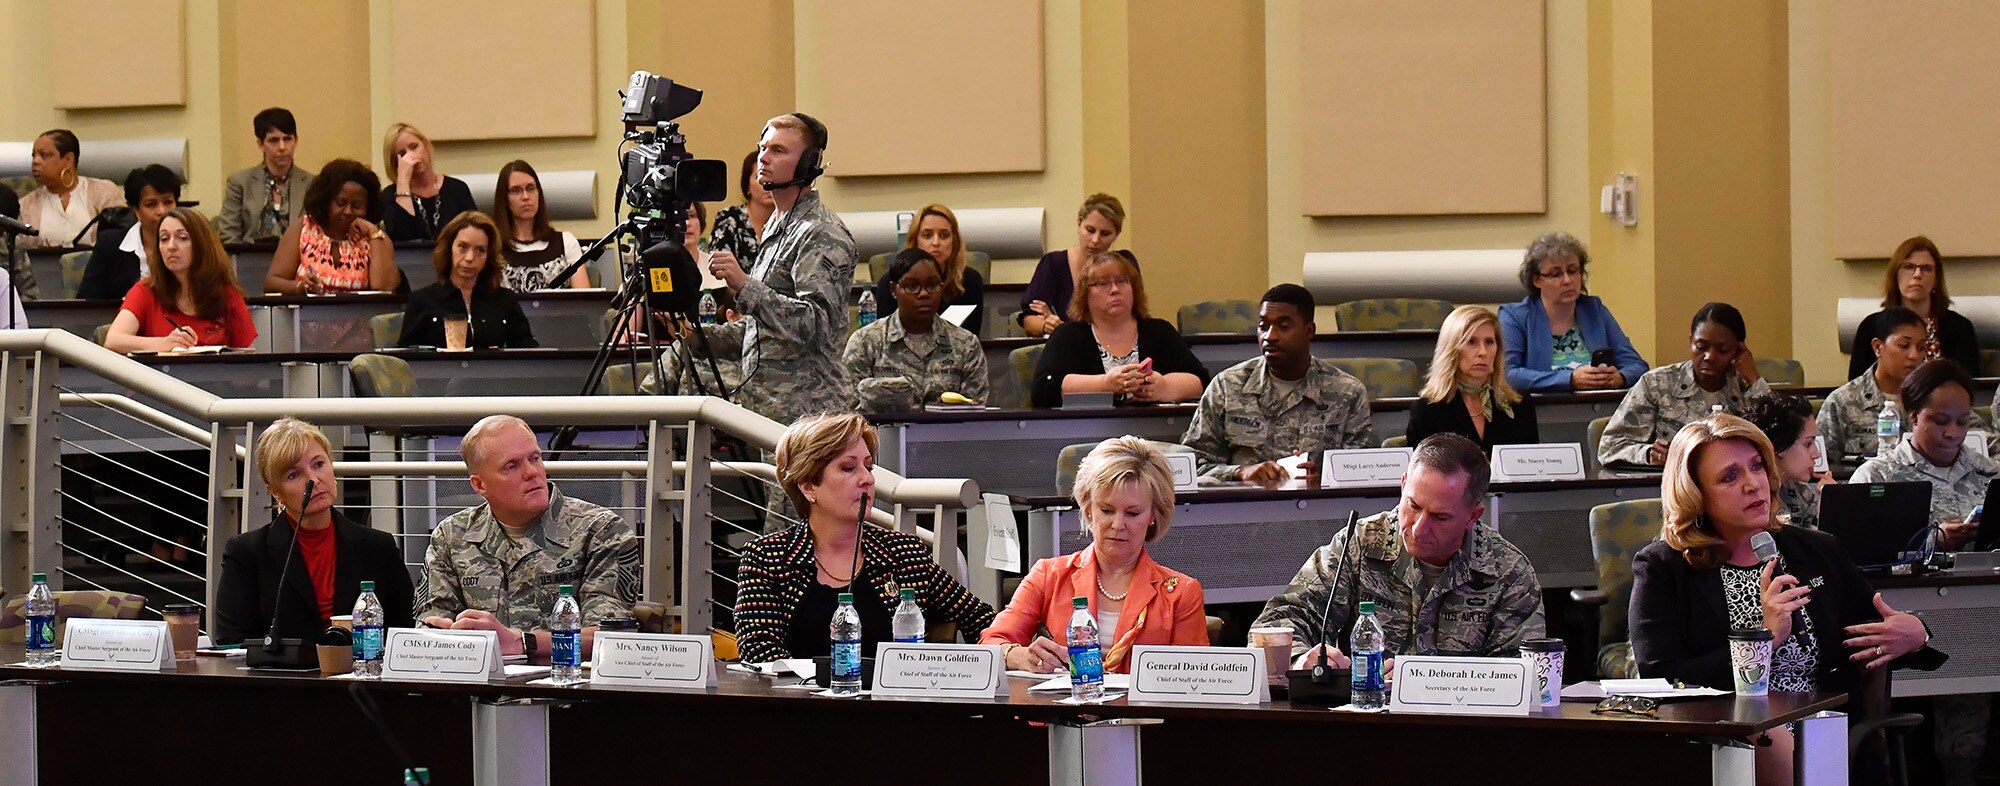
1079	602
1368	607
566	589
909	593
40	578
847	599
367	586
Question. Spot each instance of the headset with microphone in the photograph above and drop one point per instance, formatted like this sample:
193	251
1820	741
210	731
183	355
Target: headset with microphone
812	162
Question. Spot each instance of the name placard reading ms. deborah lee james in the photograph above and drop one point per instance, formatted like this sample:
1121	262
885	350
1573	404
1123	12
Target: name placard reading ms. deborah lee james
1204	675
653	660
964	671
441	655
1462	686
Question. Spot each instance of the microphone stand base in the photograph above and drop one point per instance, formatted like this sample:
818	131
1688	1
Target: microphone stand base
1302	689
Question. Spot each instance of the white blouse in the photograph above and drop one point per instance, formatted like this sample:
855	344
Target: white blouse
59	225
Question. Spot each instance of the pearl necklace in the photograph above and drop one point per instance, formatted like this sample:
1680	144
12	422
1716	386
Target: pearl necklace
1107	593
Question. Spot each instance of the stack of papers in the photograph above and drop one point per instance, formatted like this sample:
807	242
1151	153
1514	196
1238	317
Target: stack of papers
1652	689
1060	682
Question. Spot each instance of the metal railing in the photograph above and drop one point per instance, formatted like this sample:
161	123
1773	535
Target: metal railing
689	508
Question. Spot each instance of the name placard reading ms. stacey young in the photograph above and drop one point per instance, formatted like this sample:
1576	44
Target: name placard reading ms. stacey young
441	655
961	671
1462	686
1204	675
116	645
653	660
1365	467
1552	461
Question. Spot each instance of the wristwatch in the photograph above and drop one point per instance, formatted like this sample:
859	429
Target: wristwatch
527	642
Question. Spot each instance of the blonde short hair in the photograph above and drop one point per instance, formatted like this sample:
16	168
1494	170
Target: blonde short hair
792	121
283	443
1107	265
810	445
389	147
473	447
1686	528
1442	384
1128	459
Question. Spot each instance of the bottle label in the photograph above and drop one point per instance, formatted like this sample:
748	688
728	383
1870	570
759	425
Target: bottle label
367	642
847	659
42	632
1367	672
917	639
563	650
1086	665
1887	427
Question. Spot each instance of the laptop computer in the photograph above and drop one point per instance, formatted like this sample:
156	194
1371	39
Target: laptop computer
1988	536
1881	525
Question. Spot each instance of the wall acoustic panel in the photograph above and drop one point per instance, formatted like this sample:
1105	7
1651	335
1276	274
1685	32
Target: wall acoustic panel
117	53
920	88
453	58
1424	107
1914	151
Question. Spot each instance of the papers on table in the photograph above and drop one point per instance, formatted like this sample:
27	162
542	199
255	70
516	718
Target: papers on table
957	314
1060	682
803	667
1652	689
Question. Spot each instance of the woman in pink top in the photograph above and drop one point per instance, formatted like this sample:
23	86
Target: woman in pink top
191	298
339	245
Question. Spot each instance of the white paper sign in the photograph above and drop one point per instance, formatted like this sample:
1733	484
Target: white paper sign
428	655
1201	675
1819	462
957	671
1462	686
116	645
1003	536
1366	467
957	314
1552	461
1183	466
652	660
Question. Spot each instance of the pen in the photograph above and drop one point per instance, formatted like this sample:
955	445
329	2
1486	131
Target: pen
178	326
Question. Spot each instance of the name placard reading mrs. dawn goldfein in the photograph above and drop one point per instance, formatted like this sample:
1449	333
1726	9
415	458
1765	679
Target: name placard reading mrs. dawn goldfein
653	660
964	671
1462	686
1203	675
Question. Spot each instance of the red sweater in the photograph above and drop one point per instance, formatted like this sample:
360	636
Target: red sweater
316	546
233	329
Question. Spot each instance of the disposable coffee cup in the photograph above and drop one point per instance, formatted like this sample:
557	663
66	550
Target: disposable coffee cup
343	621
336	659
454	334
184	627
1276	641
1750	660
1545	666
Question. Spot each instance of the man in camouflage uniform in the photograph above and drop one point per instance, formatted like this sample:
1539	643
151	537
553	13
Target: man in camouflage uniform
497	566
1443	582
896	369
1278	404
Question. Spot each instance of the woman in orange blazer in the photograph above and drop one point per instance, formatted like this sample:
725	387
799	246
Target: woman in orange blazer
1126	494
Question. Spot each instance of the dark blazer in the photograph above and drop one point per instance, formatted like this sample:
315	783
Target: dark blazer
974	296
453	198
1072	349
496	320
1957	341
1450	416
252	562
111	272
1680	627
1051	282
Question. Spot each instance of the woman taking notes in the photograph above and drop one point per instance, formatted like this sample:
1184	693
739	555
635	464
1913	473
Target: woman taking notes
1126	494
468	289
1554	333
1112	345
338	246
1464	395
1060	273
1719	372
191	297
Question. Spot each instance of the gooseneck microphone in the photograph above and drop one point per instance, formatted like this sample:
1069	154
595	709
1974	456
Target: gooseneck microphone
11	226
271	644
1322	671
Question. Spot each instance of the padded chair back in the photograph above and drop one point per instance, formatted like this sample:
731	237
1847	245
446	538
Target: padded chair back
1398	441
1989	363
1384	377
1782	372
1391	313
388	329
1217	316
1985	414
1012	328
89	604
617	381
1594	433
99	334
1617	531
73	265
878	266
1071	457
1022	363
977	260
382	376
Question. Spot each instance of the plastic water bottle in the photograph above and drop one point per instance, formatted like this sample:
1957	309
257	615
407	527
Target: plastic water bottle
40	610
707	308
846	677
1369	689
867	307
1715	409
368	620
909	622
1888	428
566	638
1086	661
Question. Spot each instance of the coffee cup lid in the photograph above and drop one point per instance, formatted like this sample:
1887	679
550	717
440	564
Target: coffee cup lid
180	608
1542	645
617	623
1751	634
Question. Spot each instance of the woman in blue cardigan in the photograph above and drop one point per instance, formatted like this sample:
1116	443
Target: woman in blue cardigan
1551	334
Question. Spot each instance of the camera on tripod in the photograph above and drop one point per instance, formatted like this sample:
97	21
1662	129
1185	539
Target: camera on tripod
661	178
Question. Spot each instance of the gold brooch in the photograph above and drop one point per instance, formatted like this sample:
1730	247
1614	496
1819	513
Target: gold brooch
1172	582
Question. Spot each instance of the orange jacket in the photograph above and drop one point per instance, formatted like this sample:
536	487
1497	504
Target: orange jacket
1162	607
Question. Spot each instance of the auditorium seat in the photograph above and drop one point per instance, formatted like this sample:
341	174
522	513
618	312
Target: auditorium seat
1391	313
1022	363
99	334
1617	531
1989	363
1384	377
382	376
1071	457
1012	327
1217	316
1782	372
387	328
981	261
617	381
1593	434
73	264
92	604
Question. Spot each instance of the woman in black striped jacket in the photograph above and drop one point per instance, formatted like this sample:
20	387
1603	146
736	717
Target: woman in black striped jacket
788	582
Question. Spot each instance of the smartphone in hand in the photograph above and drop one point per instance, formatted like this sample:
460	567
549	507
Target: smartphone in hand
1603	357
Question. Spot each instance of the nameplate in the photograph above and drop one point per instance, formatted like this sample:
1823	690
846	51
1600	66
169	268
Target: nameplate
1819	462
116	645
653	660
1462	686
1551	461
1365	467
1182	465
426	655
940	671
1199	675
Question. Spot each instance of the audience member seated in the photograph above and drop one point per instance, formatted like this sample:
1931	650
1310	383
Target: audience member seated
1463	395
1703	579
1848	416
1787	421
1719	372
190	299
1552	333
420	199
1915	280
789	580
534	250
912	357
151	190
1060	273
1443	581
498	565
1280	404
1126	494
339	245
20	271
1114	345
259	203
1939	396
64	202
468	288
936	231
722	378
738	228
333	553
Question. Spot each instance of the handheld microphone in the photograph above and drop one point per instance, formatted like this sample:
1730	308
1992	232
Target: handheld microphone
280	653
1766	548
11	226
1322	672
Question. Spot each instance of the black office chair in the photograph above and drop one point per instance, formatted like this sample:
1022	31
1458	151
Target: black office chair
1875	736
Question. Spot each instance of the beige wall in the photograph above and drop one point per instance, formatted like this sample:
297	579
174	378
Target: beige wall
255	39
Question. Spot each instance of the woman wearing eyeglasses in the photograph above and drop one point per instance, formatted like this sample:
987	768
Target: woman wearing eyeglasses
1113	345
910	357
1915	280
1553	335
